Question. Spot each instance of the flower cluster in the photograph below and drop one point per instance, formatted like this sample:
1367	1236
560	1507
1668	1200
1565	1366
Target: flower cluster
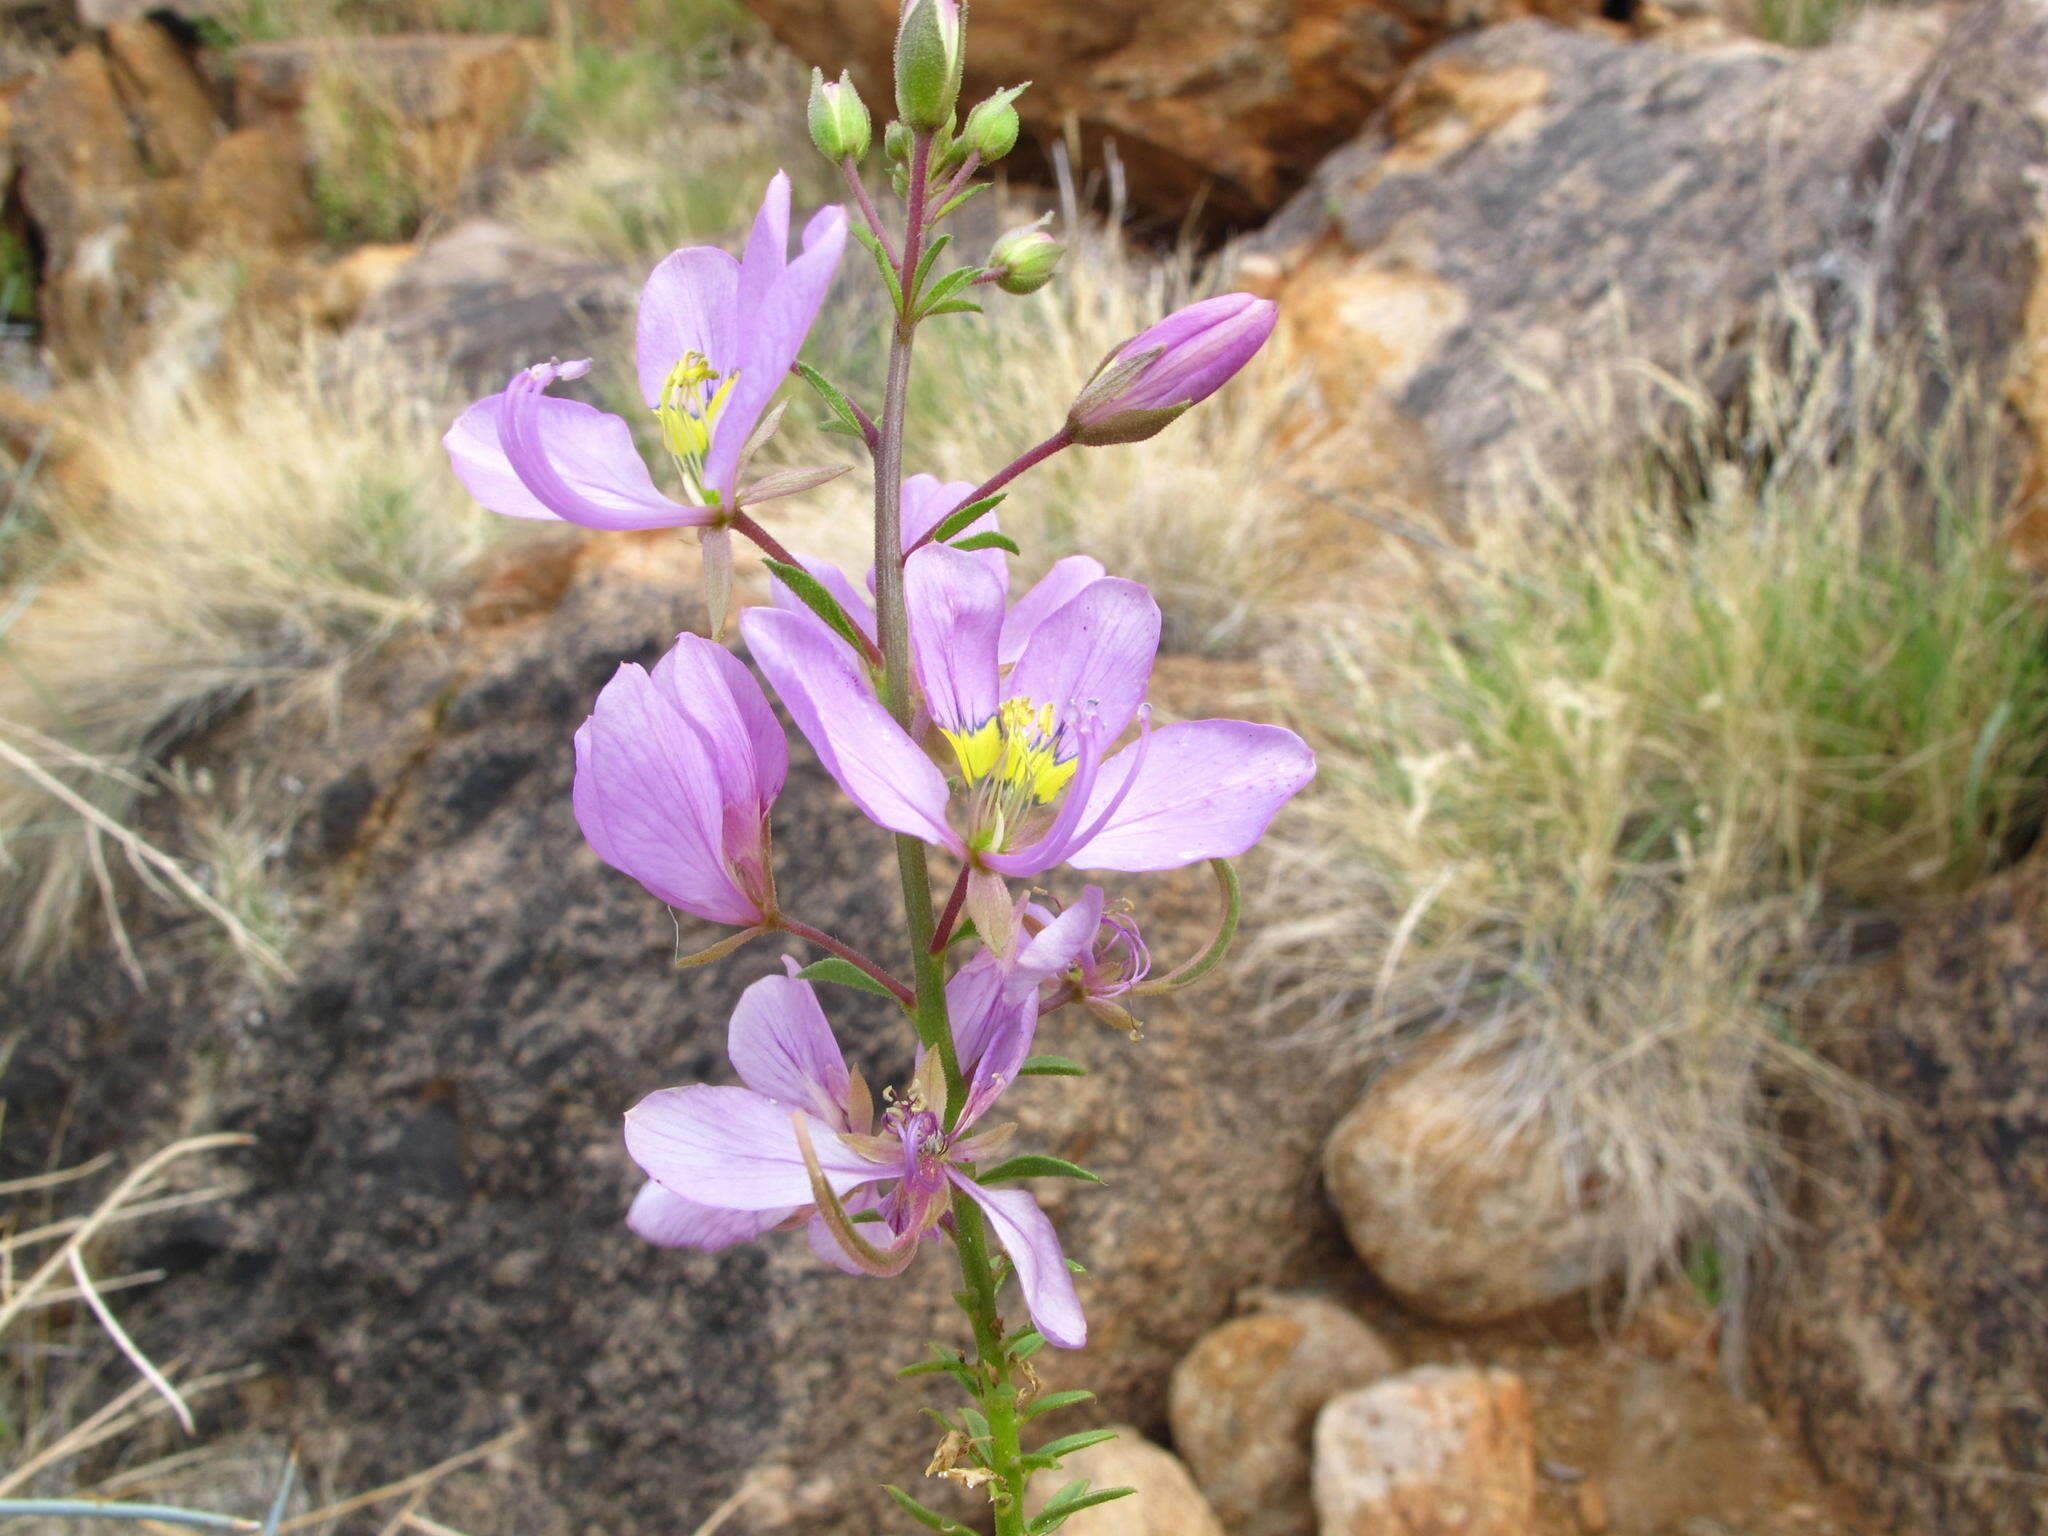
998	724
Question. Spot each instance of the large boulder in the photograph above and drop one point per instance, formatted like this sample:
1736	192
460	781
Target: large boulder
1544	212
1907	1339
432	1245
1225	105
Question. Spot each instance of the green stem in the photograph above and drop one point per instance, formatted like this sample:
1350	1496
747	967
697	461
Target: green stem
998	1397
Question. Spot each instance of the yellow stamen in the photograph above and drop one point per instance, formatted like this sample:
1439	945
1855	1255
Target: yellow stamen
688	419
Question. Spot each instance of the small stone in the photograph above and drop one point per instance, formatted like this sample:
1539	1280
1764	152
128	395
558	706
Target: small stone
1440	1451
1167	1502
1243	1404
1463	1219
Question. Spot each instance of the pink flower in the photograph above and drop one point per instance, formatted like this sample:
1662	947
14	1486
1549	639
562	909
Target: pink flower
676	771
800	1144
716	338
1167	368
1027	703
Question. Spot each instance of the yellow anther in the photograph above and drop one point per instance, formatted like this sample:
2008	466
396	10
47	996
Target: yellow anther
1019	748
687	418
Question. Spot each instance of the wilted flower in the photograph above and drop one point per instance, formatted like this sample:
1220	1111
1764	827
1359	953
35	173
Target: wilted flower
676	772
801	1144
1147	383
1027	703
716	338
1114	960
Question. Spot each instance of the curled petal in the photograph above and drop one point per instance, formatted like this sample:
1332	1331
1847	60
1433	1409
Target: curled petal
1027	1235
577	462
1203	789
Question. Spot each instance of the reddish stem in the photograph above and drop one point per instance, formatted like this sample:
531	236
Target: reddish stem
943	934
1002	477
849	954
867	210
960	178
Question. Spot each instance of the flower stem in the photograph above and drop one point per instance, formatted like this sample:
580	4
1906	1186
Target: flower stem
1002	477
850	955
766	542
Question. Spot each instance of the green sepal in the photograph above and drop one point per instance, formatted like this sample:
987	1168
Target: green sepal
1067	1445
1035	1165
962	933
973	512
1051	1066
1069	1501
990	540
814	596
867	238
930	1519
1053	1401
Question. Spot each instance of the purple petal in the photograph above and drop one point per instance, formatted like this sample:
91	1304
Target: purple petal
1207	789
928	501
578	462
689	305
480	463
782	1047
1052	592
956	615
650	799
1059	945
828	695
1092	659
767	253
735	1149
977	1003
1027	1235
669	1221
772	332
1204	345
712	689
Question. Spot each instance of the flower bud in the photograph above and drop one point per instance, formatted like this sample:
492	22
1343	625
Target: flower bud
991	130
1144	385
928	63
840	125
896	144
1025	259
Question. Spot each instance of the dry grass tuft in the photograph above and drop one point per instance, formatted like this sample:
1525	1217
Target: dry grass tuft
248	533
1598	801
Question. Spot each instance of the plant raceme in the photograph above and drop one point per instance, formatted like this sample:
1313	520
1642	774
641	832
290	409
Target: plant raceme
1004	728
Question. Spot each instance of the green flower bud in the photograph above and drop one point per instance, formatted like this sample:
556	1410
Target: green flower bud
840	125
928	63
896	144
1025	259
991	130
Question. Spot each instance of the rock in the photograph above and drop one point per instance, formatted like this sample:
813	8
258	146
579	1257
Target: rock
107	13
1227	105
432	1245
1559	205
1906	1337
164	95
1677	1456
1244	1402
485	299
1465	1218
1440	1451
1167	1502
252	197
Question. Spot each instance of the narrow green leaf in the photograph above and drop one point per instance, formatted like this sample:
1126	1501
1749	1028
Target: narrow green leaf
1054	1401
1067	1445
841	429
835	400
973	512
956	307
844	972
825	606
930	1519
947	286
1028	1343
924	265
990	540
961	200
977	1426
1051	1066
867	238
1057	1513
1035	1165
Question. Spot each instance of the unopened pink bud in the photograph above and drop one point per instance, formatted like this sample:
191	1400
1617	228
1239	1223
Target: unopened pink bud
1151	379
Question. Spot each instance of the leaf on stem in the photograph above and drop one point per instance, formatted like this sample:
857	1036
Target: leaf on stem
959	521
1053	1401
1026	1344
1069	1501
845	973
888	268
814	597
990	540
930	1519
1053	1450
924	264
960	200
1051	1066
834	398
1035	1165
956	307
949	285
